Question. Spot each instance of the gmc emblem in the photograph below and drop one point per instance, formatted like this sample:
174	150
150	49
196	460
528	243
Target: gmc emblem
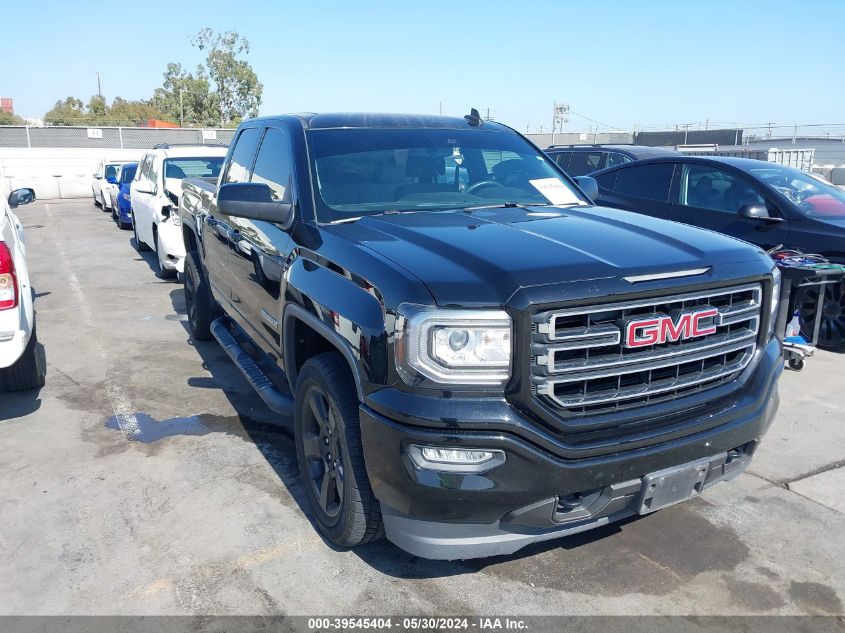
666	329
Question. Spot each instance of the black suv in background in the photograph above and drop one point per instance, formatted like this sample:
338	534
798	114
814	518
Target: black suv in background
580	160
762	203
473	355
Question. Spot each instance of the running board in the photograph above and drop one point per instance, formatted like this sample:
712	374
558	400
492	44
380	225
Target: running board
276	400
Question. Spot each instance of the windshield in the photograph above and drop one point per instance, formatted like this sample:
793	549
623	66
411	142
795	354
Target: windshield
370	171
812	197
205	167
127	174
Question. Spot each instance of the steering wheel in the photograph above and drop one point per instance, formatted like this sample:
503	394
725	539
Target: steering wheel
480	185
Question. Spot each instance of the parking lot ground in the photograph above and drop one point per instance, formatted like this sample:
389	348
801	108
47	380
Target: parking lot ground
146	478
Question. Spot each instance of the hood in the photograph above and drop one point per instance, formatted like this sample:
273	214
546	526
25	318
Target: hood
486	256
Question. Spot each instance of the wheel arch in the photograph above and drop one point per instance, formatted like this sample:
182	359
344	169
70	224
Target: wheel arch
300	328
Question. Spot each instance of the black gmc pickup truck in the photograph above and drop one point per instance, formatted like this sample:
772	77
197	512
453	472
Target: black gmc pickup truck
472	355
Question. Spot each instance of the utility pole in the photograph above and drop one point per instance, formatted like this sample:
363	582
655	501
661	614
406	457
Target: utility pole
441	107
559	117
181	108
99	90
770	130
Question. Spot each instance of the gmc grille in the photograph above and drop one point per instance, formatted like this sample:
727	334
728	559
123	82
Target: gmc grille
580	363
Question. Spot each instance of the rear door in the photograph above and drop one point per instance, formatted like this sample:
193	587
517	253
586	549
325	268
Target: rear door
643	188
260	249
710	197
216	226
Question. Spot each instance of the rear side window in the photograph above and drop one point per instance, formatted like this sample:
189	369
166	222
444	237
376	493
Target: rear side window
646	181
583	163
562	159
238	169
615	158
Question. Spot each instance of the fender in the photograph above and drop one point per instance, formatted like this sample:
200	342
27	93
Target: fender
344	312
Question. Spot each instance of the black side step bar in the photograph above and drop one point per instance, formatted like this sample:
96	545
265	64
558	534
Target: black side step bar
276	400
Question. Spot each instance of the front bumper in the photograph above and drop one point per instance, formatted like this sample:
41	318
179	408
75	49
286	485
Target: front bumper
536	495
172	246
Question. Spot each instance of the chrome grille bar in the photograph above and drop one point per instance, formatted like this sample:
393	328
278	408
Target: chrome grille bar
579	358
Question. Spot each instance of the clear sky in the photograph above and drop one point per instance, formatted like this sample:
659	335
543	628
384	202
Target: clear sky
622	63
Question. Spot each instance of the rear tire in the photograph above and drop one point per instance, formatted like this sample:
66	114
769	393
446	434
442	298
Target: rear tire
330	454
163	273
201	307
30	370
139	245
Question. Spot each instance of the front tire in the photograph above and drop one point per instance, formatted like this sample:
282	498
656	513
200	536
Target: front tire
201	307
29	371
330	454
163	273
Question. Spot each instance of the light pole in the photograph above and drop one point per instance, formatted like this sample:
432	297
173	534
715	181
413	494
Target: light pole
99	90
181	108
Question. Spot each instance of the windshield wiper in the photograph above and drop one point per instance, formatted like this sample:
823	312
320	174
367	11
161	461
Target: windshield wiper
506	205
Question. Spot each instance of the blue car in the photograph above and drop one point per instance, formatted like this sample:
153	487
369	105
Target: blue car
122	208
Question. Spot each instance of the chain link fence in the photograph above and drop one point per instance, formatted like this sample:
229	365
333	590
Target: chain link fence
109	137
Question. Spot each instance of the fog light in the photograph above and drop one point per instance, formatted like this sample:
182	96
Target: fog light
455	459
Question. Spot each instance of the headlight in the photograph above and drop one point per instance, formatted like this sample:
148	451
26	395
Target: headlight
453	347
775	301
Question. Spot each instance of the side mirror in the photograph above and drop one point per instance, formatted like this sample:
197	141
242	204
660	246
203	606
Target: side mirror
757	211
588	185
98	176
21	196
143	187
253	201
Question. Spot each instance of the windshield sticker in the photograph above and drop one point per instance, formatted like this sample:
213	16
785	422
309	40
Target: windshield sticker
555	191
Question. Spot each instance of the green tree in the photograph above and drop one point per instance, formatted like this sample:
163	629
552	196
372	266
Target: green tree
186	98
236	86
124	112
71	111
7	118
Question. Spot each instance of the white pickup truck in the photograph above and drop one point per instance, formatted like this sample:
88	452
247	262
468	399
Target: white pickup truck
22	363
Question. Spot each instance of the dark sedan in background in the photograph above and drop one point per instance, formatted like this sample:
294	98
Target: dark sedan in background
763	203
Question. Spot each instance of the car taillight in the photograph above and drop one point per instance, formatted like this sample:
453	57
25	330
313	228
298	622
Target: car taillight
8	281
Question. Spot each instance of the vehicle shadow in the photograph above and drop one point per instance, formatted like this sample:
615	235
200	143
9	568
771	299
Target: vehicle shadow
17	404
273	436
150	258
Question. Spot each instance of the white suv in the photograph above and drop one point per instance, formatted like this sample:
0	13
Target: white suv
155	194
104	179
22	362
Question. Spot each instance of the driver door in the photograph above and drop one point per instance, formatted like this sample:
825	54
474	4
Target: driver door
711	197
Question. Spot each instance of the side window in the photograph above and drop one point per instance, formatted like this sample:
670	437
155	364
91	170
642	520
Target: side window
705	187
615	158
607	181
154	172
562	159
144	169
238	169
274	164
646	181
583	163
